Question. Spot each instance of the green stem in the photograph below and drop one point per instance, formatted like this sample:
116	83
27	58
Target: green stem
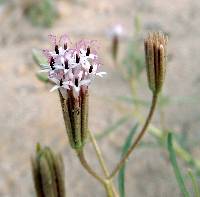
109	186
110	190
139	137
98	153
85	164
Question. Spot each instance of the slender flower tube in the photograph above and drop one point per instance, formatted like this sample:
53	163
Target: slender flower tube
72	69
155	52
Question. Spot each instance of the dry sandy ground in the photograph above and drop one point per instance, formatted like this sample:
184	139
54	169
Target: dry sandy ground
29	113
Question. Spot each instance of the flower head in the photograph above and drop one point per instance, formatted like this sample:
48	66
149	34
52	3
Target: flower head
71	68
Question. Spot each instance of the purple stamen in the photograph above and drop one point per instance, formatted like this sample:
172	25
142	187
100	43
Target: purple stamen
88	51
66	64
61	82
76	82
65	46
52	63
90	69
56	49
77	59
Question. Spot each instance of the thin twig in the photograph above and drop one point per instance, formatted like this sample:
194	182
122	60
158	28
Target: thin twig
142	132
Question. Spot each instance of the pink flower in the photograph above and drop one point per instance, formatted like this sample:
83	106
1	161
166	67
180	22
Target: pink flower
71	67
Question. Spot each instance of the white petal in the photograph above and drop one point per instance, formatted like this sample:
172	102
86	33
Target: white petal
67	84
80	74
44	71
76	89
54	88
53	54
66	71
70	75
61	51
62	60
84	82
92	56
86	65
94	70
59	67
100	74
56	81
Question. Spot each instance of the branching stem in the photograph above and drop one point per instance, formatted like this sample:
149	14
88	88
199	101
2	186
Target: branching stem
85	164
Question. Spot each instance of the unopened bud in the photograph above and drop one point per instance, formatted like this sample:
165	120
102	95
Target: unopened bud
155	52
115	47
48	173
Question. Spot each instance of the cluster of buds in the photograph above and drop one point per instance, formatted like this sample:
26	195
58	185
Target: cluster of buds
48	173
72	68
155	52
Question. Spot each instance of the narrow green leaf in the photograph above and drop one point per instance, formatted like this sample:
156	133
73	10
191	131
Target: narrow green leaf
38	57
121	175
194	184
113	127
42	77
172	157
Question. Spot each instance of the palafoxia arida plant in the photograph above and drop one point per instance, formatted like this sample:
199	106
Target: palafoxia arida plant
72	68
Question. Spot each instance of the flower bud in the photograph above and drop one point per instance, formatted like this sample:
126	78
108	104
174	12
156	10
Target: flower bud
116	33
75	114
155	52
48	173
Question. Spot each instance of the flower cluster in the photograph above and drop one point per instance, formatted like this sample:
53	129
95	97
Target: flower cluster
71	68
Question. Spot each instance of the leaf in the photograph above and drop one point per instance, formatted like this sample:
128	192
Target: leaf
38	57
172	157
42	78
121	175
194	184
113	127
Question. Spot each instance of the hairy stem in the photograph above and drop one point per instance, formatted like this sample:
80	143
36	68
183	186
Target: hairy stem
139	137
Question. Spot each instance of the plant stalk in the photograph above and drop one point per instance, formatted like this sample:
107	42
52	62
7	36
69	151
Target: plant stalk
139	137
110	190
85	164
109	186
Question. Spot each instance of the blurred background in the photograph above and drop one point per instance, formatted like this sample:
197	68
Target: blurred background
30	114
